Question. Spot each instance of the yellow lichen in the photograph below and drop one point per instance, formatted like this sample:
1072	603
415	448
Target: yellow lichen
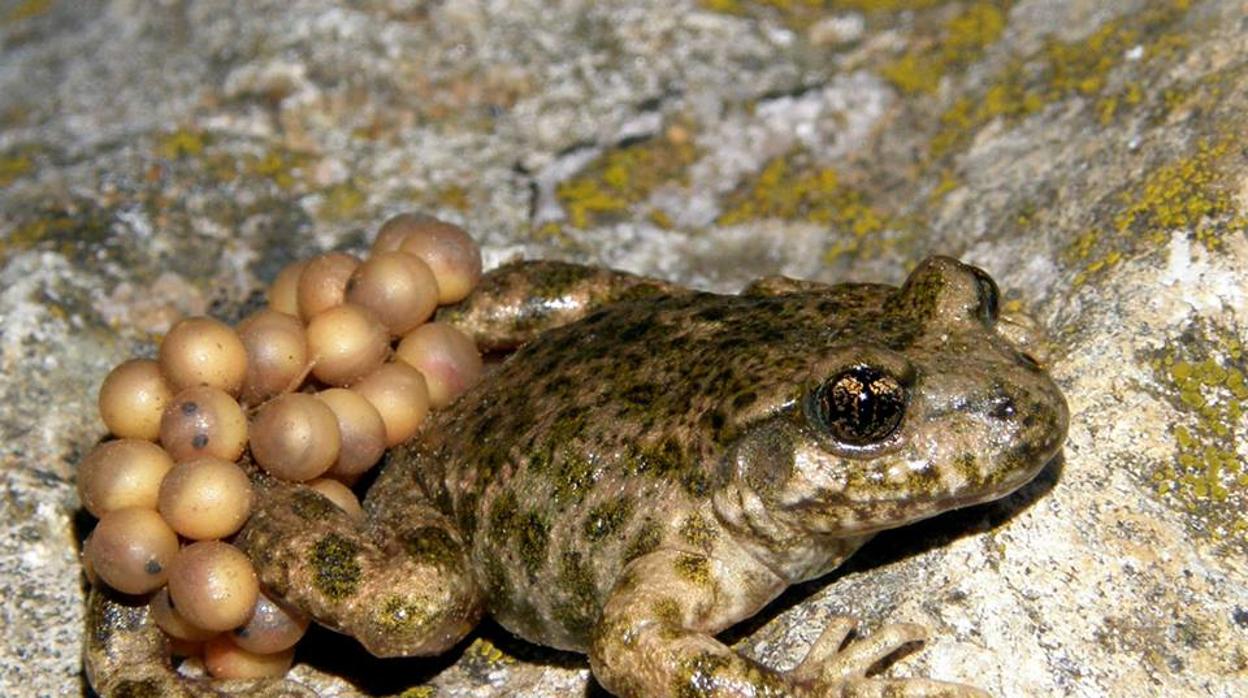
789	190
962	41
14	166
948	182
62	231
660	219
342	201
1192	193
914	72
179	144
27	9
1189	193
483	650
783	190
609	187
1066	69
1204	374
455	197
277	165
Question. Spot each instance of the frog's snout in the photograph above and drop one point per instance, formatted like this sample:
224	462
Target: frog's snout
989	442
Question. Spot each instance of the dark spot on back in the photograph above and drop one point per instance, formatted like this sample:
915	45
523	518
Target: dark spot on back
579	609
607	518
431	544
534	538
336	571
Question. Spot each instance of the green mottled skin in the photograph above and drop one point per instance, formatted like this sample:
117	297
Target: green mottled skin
648	468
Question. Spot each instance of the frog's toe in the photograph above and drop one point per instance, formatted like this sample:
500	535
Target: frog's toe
833	663
830	660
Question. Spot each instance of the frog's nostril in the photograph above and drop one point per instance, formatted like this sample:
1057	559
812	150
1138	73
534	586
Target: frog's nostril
1003	408
1029	361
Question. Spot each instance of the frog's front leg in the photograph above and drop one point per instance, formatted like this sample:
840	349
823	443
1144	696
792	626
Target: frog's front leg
518	301
399	583
656	638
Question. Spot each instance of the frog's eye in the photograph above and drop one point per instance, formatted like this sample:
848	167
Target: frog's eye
989	296
860	406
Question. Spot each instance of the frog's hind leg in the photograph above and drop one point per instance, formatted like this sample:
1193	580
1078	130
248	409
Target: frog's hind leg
400	584
518	301
128	655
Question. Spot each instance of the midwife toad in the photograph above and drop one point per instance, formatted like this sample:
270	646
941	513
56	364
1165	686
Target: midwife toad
652	466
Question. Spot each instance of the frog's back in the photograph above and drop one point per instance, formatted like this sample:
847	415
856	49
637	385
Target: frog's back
598	441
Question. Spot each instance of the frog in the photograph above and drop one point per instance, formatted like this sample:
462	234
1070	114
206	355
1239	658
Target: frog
648	466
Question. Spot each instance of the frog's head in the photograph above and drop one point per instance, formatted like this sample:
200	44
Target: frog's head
923	403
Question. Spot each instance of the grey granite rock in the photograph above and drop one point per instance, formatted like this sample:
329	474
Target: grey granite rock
161	159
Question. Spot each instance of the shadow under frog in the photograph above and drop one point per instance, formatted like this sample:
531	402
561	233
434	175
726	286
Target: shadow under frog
651	466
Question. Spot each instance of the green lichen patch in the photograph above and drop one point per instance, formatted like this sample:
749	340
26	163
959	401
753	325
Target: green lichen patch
1192	193
342	201
959	42
483	657
27	9
335	567
13	166
80	233
1204	375
616	184
1068	69
284	168
182	143
793	188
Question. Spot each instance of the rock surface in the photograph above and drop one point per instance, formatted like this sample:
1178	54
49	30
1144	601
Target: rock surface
160	159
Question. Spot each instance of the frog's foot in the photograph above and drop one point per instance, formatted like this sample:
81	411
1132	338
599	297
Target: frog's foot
398	583
656	638
128	655
831	663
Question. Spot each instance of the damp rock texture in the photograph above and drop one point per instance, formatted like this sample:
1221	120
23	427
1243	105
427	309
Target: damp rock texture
164	159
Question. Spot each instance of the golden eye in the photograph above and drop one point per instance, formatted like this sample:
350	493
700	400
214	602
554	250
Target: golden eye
860	406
